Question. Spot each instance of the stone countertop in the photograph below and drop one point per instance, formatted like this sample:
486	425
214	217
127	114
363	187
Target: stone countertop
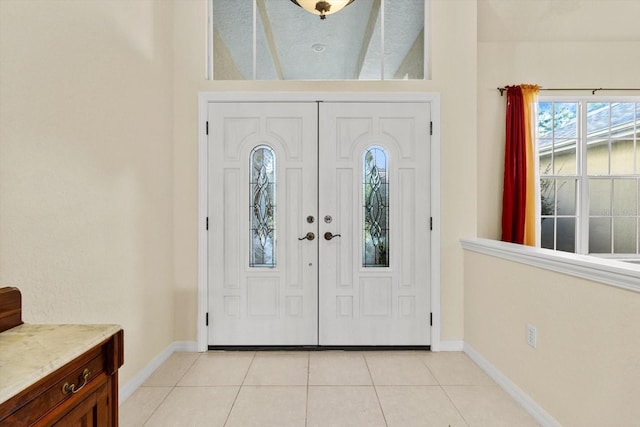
29	353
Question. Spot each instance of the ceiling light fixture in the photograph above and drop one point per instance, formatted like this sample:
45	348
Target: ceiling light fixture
323	8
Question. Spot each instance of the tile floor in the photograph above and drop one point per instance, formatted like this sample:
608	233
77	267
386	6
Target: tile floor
321	388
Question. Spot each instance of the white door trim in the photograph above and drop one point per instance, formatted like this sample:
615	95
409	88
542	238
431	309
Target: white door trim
205	97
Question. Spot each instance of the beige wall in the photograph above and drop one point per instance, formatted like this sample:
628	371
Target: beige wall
585	370
453	76
86	169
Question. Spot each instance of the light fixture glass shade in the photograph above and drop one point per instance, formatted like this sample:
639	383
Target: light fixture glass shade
323	8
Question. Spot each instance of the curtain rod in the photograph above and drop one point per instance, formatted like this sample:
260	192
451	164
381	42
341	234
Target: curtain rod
593	91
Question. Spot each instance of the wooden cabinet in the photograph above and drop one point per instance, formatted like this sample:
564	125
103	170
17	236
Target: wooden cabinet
82	391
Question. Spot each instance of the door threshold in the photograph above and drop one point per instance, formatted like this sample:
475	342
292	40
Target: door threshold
318	347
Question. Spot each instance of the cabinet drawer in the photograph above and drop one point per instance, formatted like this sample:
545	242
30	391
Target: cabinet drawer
63	387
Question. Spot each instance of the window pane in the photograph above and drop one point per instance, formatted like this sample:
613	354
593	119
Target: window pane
600	197
547	197
622	118
565	157
545	120
566	203
566	235
624	235
565	123
625	197
232	40
404	39
262	207
375	192
545	153
600	235
598	157
598	135
268	66
622	154
547	233
598	118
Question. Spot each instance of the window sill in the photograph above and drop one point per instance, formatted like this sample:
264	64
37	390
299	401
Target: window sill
625	275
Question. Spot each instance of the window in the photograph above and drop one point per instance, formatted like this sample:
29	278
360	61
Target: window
278	40
262	207
589	164
375	208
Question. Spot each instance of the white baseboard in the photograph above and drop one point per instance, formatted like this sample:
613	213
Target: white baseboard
450	346
535	410
130	387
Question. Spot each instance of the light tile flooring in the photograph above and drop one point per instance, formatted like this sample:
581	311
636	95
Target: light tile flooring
321	388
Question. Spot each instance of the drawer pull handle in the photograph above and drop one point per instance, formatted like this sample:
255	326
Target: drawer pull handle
71	388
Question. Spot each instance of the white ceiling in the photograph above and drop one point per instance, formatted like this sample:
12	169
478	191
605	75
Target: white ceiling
292	43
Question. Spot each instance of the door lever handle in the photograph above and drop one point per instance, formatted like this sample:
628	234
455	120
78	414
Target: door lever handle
329	236
308	236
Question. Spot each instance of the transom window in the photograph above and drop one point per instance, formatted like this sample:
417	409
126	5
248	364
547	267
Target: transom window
278	40
589	160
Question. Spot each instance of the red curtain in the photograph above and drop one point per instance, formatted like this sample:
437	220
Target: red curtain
515	169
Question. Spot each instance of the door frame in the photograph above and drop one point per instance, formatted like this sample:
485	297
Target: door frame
204	98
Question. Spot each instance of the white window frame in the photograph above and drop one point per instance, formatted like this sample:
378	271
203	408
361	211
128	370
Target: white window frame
582	192
209	70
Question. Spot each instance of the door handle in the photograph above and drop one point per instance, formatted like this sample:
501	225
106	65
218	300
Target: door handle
329	236
308	236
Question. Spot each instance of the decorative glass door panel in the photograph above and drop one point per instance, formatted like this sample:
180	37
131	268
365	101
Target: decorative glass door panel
263	207
375	200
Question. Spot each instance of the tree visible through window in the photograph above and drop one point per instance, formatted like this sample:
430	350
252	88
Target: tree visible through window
589	164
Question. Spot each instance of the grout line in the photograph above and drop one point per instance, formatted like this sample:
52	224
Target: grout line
375	390
235	399
157	407
366	363
455	406
188	369
433	375
170	391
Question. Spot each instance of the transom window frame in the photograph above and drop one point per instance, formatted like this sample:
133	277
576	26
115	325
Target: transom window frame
582	176
319	47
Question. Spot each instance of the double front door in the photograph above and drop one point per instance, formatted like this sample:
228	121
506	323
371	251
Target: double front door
319	220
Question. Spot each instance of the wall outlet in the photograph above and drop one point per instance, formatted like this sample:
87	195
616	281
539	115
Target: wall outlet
532	336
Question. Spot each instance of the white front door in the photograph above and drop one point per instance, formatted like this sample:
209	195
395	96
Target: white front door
358	179
263	280
374	193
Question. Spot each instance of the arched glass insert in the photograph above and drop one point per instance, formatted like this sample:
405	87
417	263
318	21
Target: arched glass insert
262	191
375	208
